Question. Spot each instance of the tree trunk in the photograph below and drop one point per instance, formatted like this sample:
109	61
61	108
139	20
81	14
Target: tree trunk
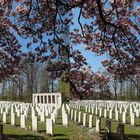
52	86
3	87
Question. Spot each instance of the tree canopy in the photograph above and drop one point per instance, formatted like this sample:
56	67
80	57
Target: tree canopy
110	27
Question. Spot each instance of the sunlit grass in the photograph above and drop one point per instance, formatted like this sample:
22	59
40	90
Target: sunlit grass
132	132
60	132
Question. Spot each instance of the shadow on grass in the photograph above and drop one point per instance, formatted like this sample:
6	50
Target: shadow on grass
56	135
23	137
113	136
130	136
42	131
59	123
60	139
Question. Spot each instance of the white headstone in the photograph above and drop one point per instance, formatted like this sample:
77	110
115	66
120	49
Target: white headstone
100	112
84	119
49	127
75	115
46	113
68	108
22	121
124	117
34	124
90	121
89	108
86	109
53	117
42	117
65	119
132	119
1	110
92	110
13	119
71	114
79	117
18	113
96	110
4	117
105	113
137	113
120	110
98	124
110	114
116	115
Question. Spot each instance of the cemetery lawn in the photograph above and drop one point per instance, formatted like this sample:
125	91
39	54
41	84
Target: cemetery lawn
131	132
60	132
73	132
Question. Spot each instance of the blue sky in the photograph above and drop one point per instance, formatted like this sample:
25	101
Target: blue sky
93	60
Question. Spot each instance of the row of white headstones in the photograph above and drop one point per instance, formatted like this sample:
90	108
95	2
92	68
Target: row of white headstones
101	108
48	113
37	113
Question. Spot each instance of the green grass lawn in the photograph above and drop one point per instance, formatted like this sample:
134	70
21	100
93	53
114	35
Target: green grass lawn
73	132
60	132
131	132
